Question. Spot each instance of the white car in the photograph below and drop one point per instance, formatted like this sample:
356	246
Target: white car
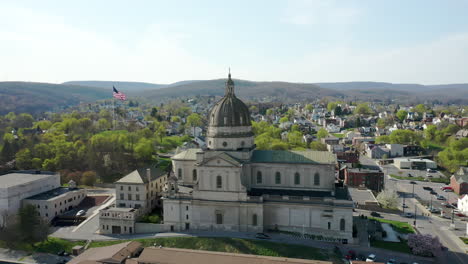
81	213
409	215
370	258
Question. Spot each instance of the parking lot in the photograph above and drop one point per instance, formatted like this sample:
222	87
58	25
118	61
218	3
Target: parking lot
390	169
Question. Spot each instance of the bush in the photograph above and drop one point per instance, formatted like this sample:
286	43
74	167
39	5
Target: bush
424	245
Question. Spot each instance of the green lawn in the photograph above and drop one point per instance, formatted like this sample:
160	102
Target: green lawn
464	239
394	246
338	135
233	245
400	227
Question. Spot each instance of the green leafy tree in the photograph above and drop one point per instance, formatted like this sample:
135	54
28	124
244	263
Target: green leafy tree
295	139
24	159
430	132
269	112
284	119
31	227
420	108
316	145
363	109
309	107
331	106
322	133
401	114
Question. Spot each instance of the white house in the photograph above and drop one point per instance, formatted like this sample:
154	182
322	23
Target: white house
463	204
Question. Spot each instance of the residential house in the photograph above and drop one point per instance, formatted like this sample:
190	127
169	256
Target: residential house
376	151
462	204
459	181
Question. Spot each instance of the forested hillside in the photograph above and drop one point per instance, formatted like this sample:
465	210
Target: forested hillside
30	97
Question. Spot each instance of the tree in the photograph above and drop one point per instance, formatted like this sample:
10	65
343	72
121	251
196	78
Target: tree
23	121
31	227
269	112
295	139
383	139
154	112
430	132
401	114
88	178
420	108
194	120
316	145
331	106
309	107
322	133
424	245
363	109
403	136
388	199
24	159
284	119
338	110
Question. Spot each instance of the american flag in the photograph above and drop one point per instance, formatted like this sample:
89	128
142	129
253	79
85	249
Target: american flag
119	95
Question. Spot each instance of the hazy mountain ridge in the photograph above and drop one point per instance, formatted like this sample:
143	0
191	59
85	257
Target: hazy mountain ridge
34	97
38	97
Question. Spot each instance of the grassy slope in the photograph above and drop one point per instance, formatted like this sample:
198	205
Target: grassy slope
400	227
394	246
232	245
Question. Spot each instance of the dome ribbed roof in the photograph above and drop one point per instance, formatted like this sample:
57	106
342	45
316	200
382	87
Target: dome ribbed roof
230	110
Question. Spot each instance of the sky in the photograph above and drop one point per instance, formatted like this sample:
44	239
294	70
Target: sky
399	41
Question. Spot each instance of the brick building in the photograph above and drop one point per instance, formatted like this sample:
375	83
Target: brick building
459	181
371	179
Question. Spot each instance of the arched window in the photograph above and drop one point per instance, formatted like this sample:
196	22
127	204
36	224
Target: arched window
297	178
259	177
254	219
179	174
278	178
342	225
219	182
194	174
316	178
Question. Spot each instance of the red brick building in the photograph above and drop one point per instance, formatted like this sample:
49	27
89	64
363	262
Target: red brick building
371	179
350	156
459	181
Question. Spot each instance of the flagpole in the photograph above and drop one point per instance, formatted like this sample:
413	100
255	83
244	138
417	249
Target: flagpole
113	113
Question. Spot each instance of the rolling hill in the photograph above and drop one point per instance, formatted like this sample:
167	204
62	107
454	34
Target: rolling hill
31	97
127	87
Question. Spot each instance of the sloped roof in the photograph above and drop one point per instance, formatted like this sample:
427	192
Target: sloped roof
461	178
189	154
139	175
293	156
110	254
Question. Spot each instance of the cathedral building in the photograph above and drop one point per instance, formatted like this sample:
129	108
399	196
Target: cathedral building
231	186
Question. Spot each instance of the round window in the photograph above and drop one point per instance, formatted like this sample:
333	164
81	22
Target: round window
224	144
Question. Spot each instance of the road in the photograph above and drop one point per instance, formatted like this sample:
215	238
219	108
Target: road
428	223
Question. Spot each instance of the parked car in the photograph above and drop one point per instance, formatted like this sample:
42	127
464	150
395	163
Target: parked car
448	190
375	214
434	210
427	188
431	170
81	213
408	214
413	182
433	192
370	258
459	214
262	236
440	197
391	261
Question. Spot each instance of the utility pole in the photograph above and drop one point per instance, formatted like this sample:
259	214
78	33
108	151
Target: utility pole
404	204
413	190
415	209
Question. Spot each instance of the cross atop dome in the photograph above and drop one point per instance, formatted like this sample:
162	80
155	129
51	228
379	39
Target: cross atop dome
229	85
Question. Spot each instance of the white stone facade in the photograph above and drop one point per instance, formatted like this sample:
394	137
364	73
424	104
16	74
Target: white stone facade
56	202
15	187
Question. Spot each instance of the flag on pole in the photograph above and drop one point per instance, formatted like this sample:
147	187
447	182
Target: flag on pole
119	95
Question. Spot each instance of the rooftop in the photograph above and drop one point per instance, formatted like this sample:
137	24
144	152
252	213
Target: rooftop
179	256
293	156
189	154
23	177
139	175
110	254
52	193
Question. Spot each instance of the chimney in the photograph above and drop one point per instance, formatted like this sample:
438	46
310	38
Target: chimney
148	174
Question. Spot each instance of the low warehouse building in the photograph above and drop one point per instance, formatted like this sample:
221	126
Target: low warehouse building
415	164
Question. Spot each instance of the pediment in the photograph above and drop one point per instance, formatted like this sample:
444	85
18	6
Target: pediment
221	160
